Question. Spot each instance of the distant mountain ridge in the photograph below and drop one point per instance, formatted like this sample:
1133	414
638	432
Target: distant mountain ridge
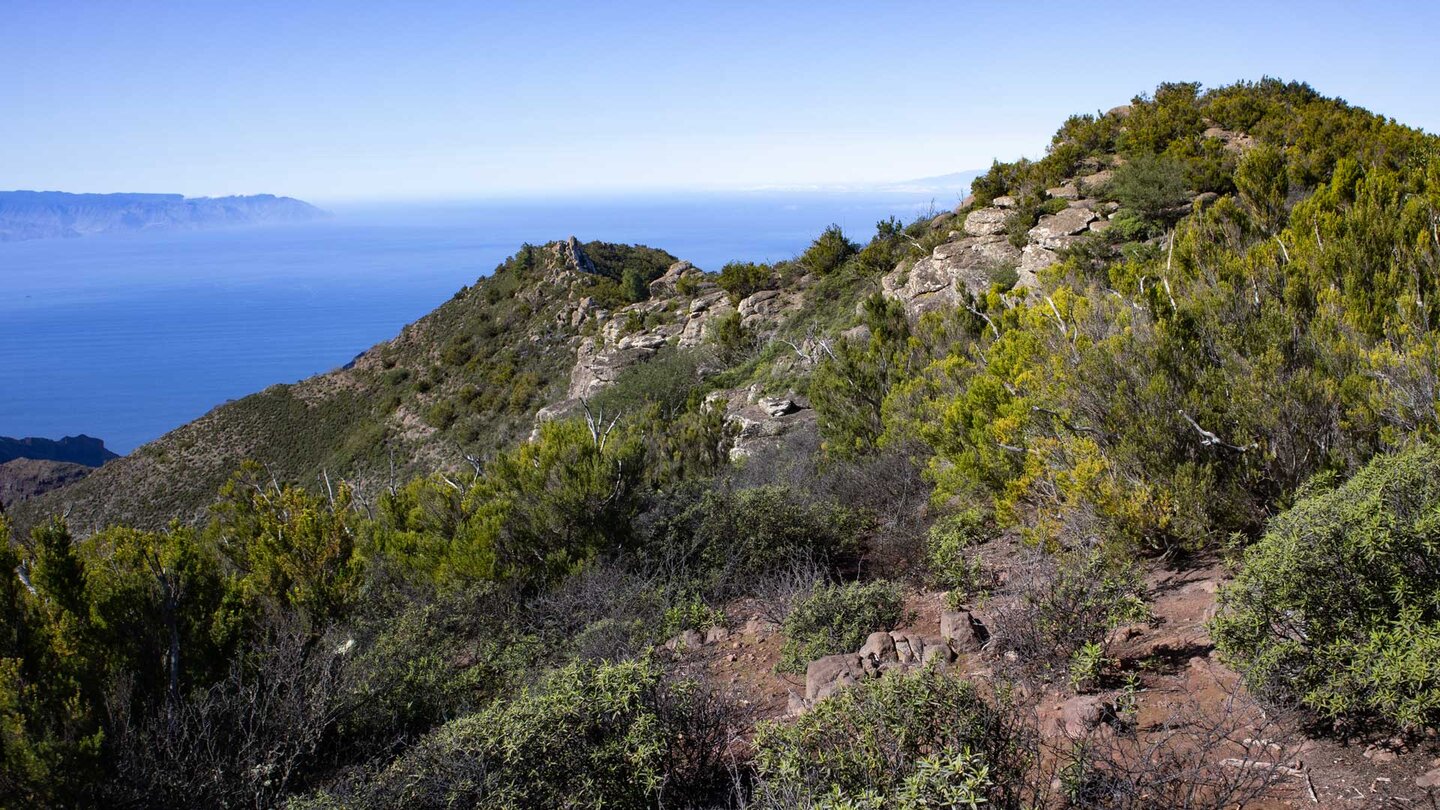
58	214
82	449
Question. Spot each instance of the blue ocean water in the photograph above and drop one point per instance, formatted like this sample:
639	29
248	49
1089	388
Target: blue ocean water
126	337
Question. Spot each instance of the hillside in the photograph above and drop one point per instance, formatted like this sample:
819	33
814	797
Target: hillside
1115	487
57	214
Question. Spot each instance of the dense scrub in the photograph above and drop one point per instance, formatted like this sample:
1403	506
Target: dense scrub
1261	313
1337	609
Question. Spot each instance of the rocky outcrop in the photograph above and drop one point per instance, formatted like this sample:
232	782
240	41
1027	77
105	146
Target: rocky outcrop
762	422
937	281
1061	229
986	221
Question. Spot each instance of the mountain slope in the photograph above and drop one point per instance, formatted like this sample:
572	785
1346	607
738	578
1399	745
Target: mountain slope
462	381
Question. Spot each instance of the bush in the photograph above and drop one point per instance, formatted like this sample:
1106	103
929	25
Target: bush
904	737
1337	608
830	250
1067	608
836	619
1150	186
590	735
949	552
743	279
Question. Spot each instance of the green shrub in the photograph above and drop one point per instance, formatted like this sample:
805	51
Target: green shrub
589	735
950	554
743	279
1150	187
838	618
740	537
829	250
907	738
1337	608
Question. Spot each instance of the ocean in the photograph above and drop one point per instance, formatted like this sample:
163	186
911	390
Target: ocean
125	337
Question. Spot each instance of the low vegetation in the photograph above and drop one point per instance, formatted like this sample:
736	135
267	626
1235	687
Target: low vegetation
375	588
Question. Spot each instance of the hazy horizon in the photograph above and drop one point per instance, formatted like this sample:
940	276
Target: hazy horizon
335	102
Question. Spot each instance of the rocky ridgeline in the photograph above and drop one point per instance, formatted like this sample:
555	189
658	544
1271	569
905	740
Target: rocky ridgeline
684	307
979	246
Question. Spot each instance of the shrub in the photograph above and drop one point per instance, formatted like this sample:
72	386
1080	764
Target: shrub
589	735
903	737
1150	186
949	552
743	279
731	540
1064	602
829	250
1337	608
836	619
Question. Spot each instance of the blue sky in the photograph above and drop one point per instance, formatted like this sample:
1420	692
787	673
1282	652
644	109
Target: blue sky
373	100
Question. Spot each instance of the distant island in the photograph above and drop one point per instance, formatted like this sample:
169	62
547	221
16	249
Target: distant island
58	214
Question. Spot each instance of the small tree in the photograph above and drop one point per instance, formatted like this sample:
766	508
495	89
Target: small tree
830	250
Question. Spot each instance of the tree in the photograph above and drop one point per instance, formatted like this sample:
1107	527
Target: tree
634	286
830	250
849	386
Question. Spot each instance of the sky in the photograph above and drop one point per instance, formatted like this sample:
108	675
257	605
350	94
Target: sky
338	101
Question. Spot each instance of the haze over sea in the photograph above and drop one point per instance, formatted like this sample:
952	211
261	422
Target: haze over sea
126	337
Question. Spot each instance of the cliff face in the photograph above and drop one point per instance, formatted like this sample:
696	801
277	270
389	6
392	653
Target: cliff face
54	214
82	449
27	477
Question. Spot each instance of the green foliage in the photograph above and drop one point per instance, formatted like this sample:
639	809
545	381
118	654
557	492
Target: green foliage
851	383
634	286
613	735
737	537
552	504
838	618
950	554
1338	607
1150	187
899	741
829	250
743	279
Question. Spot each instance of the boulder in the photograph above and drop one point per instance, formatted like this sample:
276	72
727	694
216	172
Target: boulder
936	281
985	222
1100	225
825	676
1092	183
688	640
1065	192
1051	231
958	629
879	649
666	285
1080	714
716	634
1004	202
1032	260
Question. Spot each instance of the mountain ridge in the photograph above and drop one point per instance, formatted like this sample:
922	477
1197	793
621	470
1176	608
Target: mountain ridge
28	215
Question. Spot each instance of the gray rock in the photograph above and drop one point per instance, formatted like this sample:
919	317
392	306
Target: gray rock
1003	202
936	281
879	648
688	640
957	627
1065	192
985	222
1032	260
1100	225
825	676
1051	230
